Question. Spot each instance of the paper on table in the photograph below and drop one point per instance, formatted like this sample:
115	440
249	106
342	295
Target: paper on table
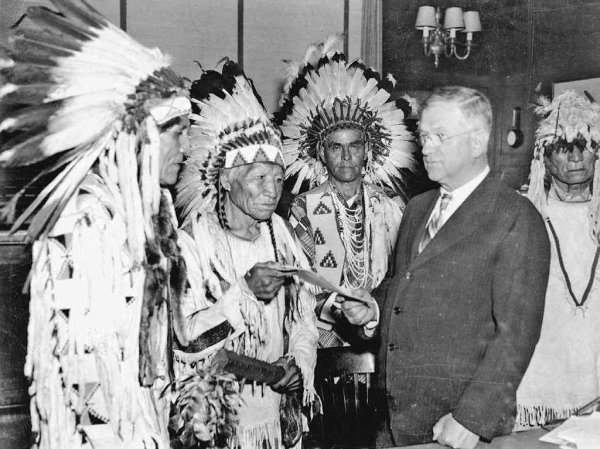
316	279
586	434
582	432
552	436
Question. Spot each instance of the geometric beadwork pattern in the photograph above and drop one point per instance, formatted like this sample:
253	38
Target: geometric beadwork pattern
321	209
319	239
261	156
329	261
239	160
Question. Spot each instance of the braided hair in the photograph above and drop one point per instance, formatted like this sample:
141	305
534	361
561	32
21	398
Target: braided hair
273	241
221	215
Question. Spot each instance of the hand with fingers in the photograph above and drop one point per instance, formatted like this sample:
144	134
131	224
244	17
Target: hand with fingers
358	312
292	380
264	280
450	432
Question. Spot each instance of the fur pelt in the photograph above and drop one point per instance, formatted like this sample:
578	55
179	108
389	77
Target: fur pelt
166	277
290	416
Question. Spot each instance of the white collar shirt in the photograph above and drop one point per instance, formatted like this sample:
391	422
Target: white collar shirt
458	196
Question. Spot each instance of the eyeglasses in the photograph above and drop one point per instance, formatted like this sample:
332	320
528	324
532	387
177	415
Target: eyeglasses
436	139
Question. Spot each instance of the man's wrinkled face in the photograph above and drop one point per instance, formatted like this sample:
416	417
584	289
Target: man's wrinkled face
572	167
173	141
255	189
344	153
448	149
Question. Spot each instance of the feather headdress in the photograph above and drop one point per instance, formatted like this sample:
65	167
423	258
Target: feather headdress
324	93
231	129
567	120
79	90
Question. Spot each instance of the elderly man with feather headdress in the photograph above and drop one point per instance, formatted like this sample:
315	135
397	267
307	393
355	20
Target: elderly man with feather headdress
109	118
343	136
564	372
235	246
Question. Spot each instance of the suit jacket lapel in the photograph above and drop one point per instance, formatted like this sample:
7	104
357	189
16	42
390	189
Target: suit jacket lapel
461	224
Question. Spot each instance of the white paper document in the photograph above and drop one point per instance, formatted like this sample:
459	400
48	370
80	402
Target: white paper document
577	432
316	279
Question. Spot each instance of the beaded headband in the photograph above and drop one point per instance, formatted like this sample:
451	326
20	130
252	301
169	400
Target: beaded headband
230	129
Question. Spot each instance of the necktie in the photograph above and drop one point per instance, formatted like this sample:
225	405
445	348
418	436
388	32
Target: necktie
435	221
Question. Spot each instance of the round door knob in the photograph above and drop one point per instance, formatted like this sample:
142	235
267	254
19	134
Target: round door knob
392	346
397	310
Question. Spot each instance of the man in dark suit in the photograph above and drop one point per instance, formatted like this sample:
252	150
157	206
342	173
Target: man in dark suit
461	315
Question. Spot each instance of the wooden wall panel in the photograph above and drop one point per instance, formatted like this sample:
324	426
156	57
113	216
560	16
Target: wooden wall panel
276	30
14	314
567	39
512	164
502	21
354	28
524	44
188	30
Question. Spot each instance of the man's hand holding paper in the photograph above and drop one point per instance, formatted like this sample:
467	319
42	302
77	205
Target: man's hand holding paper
359	295
265	280
360	308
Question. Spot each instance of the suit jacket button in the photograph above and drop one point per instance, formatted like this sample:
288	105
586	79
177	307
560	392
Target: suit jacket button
392	347
397	310
408	275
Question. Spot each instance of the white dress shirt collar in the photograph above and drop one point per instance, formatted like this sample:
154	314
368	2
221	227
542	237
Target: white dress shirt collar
460	194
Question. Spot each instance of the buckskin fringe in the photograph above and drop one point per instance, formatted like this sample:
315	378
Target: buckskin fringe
539	415
256	436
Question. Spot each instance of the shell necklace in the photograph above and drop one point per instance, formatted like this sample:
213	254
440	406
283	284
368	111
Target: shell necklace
351	228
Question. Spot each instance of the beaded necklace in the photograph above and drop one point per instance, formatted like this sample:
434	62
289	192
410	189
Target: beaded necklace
357	242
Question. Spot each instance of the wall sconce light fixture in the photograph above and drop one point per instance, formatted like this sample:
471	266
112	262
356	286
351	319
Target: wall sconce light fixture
441	40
